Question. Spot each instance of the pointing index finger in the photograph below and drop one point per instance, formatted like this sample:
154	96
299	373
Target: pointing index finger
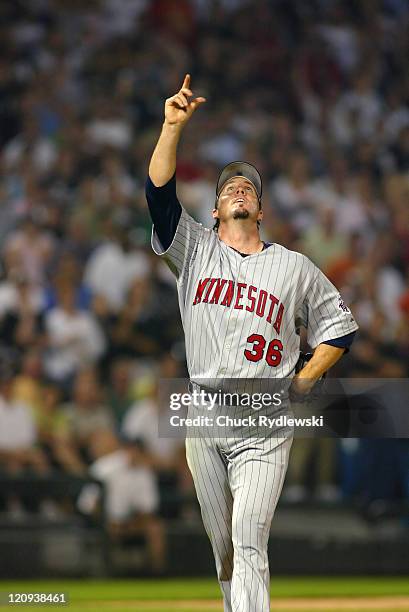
186	82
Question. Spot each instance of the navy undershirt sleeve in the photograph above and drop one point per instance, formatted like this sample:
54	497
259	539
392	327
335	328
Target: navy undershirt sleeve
342	342
164	208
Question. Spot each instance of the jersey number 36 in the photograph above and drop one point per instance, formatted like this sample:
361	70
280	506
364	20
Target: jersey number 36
273	354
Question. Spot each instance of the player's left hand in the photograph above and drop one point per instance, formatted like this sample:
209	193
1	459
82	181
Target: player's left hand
302	387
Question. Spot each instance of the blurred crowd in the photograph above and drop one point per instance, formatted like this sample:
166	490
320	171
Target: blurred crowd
88	316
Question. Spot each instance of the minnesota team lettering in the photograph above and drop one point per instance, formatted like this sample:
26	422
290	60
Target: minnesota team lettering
241	297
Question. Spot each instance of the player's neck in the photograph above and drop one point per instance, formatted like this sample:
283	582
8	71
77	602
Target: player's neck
241	237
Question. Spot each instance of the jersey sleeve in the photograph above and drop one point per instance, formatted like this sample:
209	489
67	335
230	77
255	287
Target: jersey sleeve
164	208
178	245
327	315
342	342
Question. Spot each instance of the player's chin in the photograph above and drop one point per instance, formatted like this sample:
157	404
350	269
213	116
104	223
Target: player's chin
241	213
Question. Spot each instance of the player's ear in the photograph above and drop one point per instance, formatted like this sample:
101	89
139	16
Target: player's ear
260	215
215	213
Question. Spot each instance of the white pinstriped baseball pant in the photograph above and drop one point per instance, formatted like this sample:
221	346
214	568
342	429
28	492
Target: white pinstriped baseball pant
238	482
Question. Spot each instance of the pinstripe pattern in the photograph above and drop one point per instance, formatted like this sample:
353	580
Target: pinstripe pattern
238	481
239	475
216	335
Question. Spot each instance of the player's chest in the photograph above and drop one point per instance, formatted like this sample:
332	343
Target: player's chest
247	288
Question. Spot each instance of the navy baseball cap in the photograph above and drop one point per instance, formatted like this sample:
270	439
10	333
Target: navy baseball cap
239	168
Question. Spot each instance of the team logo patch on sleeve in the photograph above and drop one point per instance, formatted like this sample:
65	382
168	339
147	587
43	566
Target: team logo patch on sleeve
342	305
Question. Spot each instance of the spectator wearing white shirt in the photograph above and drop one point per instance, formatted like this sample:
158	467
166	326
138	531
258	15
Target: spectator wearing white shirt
108	126
18	435
132	496
337	191
74	338
293	194
141	422
114	265
30	143
357	113
29	248
15	290
144	421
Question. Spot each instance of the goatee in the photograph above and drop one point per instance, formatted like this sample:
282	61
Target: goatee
241	213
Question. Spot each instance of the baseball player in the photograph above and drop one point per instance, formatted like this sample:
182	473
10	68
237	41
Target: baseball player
242	303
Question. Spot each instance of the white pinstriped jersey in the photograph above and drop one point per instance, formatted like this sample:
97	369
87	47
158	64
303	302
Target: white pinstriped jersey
241	315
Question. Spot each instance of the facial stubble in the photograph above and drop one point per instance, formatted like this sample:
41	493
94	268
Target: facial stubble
241	213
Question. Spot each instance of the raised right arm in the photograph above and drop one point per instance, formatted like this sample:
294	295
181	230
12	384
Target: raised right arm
178	110
162	166
164	206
